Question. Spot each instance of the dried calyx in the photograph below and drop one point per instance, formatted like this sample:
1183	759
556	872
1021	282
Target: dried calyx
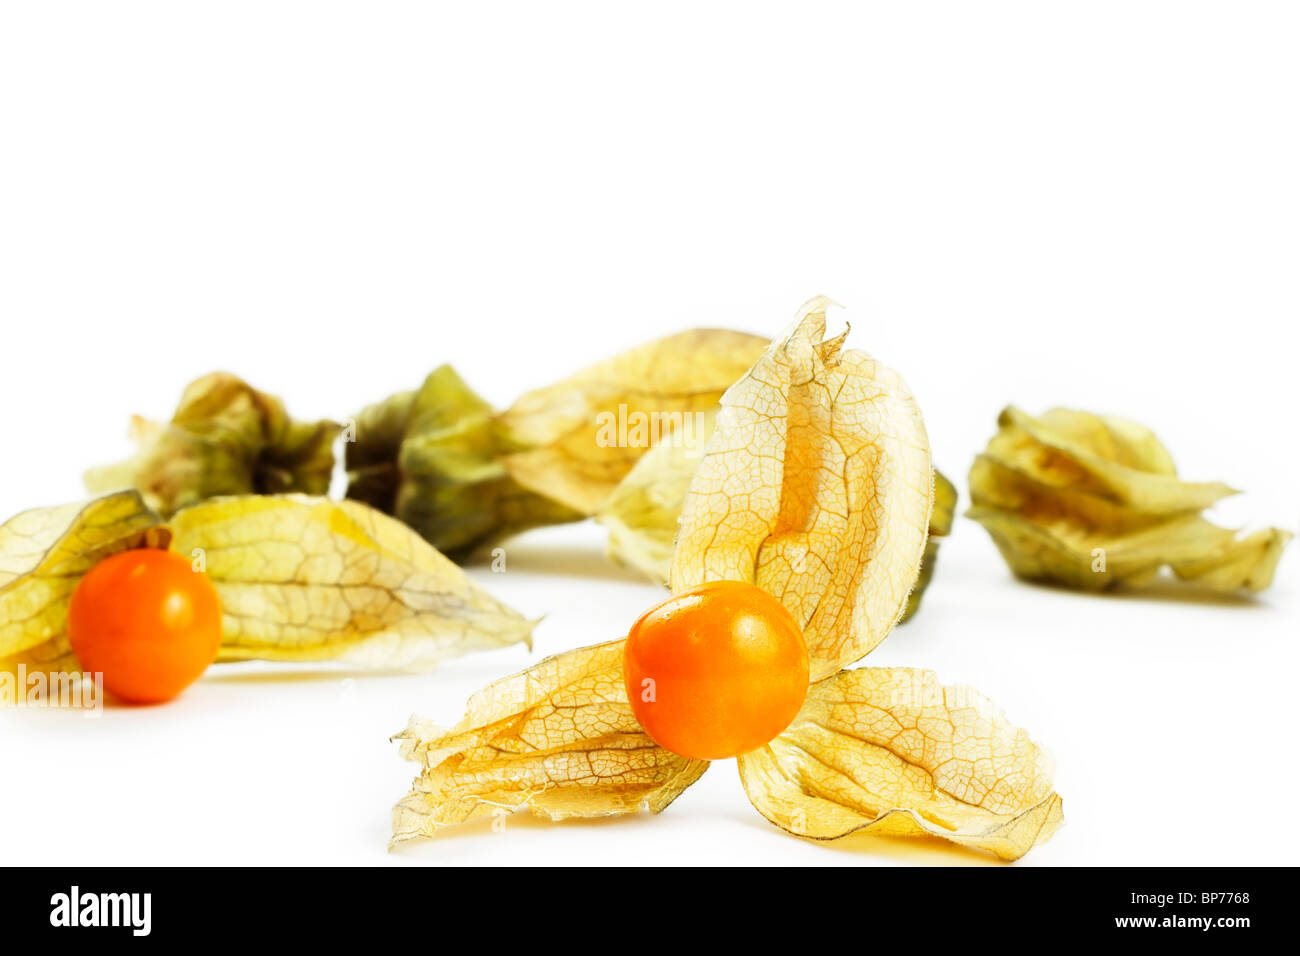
226	438
1094	502
299	578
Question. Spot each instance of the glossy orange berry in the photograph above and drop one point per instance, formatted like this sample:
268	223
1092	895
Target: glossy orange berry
147	621
716	671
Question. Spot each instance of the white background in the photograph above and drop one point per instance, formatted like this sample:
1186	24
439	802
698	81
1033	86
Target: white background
1089	204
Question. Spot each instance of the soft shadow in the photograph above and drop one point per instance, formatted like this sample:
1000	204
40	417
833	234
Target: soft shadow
563	559
1164	590
300	675
485	828
483	666
917	851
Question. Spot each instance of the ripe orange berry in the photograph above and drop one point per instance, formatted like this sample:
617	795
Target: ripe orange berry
147	621
716	671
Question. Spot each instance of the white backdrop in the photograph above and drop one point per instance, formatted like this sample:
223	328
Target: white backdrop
1089	204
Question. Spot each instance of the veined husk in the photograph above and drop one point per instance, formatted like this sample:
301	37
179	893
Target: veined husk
442	460
300	579
226	438
43	554
310	579
643	513
576	440
1094	502
890	750
817	486
558	738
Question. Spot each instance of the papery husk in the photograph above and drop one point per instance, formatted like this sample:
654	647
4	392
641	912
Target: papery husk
1094	502
558	739
891	751
226	438
432	459
43	555
816	486
310	579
